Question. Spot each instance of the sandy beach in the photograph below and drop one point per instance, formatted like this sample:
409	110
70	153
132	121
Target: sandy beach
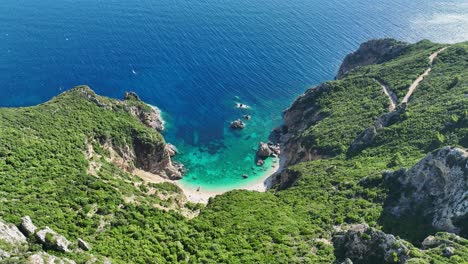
203	195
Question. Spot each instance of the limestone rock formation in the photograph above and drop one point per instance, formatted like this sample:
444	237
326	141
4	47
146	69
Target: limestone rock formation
156	158
371	52
302	114
52	239
10	234
27	226
44	258
171	150
83	244
362	244
147	114
436	187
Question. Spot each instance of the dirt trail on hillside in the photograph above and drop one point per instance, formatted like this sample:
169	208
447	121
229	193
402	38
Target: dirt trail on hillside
416	83
391	96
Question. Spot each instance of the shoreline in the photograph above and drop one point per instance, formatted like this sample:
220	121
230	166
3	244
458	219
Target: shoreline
262	184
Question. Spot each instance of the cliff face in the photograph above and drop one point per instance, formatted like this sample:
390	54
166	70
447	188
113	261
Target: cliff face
148	115
371	52
144	150
437	187
302	114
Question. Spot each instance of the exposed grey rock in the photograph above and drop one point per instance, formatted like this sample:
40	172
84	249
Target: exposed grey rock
449	251
237	124
371	52
131	96
147	114
83	245
57	242
302	114
436	187
10	234
347	261
156	158
263	150
430	242
44	258
363	244
4	254
171	150
27	226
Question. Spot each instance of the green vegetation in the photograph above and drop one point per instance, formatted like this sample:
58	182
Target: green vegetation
44	173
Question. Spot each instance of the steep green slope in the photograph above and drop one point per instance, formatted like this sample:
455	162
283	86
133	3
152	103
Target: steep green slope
46	171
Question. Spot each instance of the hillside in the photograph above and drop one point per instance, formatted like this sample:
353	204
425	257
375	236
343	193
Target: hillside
351	189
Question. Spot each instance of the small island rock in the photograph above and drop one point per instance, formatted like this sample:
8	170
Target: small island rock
237	124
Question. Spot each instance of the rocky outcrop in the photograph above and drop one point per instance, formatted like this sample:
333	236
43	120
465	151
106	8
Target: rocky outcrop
171	150
367	136
302	114
363	244
371	52
27	226
83	245
44	258
436	187
264	150
11	234
156	158
147	114
237	124
52	239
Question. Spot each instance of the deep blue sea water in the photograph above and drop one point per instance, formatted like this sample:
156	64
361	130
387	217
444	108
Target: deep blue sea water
195	59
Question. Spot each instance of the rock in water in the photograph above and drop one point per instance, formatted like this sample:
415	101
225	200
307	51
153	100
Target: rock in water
237	124
436	186
362	244
263	150
27	226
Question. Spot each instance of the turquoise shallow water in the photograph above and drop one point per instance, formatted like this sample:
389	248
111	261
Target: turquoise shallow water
194	59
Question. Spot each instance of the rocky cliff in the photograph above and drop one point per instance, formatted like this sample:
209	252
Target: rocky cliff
436	187
146	151
371	52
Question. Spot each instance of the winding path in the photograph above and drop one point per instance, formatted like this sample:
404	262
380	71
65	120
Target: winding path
416	83
391	96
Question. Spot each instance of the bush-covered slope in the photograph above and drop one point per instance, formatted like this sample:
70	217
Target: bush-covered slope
46	172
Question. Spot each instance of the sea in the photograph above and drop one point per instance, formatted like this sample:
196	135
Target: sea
195	59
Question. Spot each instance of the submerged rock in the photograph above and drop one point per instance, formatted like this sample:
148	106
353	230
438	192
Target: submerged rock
436	187
237	124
